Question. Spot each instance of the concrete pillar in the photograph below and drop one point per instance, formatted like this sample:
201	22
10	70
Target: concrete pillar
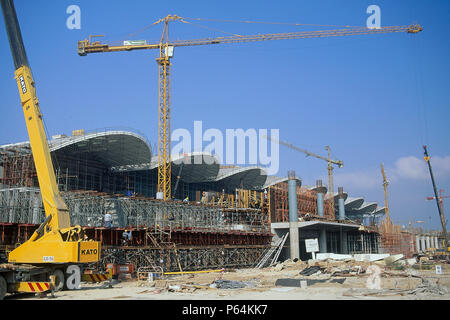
344	248
417	244
422	244
428	242
435	242
323	241
341	203
320	194
293	216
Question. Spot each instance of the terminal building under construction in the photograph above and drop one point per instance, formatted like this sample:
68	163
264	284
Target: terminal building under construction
219	217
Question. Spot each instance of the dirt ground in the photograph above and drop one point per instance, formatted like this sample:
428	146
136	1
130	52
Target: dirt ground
260	285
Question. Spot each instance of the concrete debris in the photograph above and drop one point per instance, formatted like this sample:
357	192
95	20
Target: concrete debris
174	288
292	264
311	271
347	272
346	267
370	257
231	284
380	263
278	267
303	283
426	288
393	258
400	263
334	256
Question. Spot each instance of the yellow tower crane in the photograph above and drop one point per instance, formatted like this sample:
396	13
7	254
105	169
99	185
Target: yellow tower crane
166	47
385	185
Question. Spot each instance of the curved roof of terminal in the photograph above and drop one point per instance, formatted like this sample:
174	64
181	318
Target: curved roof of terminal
112	148
123	151
353	203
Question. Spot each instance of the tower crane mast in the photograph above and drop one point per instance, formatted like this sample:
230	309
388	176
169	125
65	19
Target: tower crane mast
385	185
165	48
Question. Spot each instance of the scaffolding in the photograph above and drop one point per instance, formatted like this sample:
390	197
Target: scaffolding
21	205
394	240
306	203
171	235
18	168
87	208
186	259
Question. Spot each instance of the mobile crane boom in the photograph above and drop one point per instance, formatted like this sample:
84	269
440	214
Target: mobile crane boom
55	244
53	203
436	196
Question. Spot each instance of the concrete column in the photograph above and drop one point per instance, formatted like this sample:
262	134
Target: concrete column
341	203
428	242
344	248
321	190
422	244
435	242
293	216
323	241
417	244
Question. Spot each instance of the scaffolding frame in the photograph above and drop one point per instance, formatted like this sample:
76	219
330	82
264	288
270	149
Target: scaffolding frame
306	203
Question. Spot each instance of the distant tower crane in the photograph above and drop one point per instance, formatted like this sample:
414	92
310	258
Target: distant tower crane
438	200
330	162
441	203
386	204
166	47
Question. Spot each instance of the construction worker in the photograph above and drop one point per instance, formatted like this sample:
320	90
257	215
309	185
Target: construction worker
126	235
186	199
108	220
204	198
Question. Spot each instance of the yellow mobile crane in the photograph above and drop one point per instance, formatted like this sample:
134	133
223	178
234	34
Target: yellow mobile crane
55	245
166	48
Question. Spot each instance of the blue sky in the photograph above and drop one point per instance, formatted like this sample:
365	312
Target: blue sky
373	99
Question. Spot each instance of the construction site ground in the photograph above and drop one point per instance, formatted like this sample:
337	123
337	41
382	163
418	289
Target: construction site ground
260	284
